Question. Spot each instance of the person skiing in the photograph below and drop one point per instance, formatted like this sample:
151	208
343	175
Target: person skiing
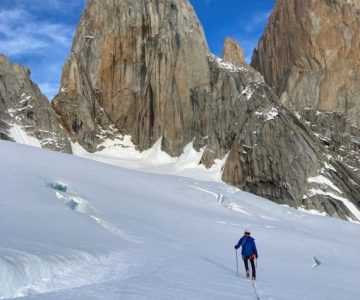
248	252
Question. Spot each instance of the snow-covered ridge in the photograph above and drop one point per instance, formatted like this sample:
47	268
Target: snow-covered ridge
246	69
226	65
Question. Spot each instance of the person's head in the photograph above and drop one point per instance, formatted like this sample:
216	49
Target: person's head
247	231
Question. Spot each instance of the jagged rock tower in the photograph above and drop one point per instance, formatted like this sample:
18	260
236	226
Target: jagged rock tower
233	53
26	115
138	61
310	54
143	68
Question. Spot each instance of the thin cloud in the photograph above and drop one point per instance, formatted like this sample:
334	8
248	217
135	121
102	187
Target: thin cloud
48	5
21	33
255	21
249	31
33	39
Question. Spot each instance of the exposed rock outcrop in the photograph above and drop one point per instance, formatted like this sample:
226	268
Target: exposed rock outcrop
26	115
309	54
270	152
138	61
144	68
233	53
337	134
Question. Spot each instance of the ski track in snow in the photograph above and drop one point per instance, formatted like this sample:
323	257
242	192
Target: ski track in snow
219	197
222	200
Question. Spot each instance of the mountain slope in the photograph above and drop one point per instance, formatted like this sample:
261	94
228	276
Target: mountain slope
26	115
68	233
144	70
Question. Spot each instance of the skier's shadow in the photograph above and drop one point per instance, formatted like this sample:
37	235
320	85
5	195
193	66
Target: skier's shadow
228	270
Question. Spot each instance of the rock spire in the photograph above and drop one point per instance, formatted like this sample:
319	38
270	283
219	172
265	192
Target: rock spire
233	52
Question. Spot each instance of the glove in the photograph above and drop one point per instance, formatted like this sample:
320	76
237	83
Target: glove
256	256
235	248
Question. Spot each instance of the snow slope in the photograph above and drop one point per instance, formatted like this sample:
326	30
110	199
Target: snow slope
72	228
122	152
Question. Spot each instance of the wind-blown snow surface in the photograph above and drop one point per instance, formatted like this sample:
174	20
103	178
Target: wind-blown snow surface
72	228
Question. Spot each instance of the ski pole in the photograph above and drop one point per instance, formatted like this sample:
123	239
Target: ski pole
237	264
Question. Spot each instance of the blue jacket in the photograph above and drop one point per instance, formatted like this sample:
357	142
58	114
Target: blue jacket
248	246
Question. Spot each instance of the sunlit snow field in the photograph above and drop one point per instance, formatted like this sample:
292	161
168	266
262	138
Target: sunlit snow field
73	228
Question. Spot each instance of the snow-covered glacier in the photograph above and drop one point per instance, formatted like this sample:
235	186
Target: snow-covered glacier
73	228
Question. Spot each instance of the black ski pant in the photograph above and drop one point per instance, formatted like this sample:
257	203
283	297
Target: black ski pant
252	262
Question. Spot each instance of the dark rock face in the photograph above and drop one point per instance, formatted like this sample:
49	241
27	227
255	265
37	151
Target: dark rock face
337	134
271	152
25	113
143	68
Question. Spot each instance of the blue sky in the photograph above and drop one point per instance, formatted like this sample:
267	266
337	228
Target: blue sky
38	33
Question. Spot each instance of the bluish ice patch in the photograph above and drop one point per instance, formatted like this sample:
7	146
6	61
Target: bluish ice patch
73	205
57	186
